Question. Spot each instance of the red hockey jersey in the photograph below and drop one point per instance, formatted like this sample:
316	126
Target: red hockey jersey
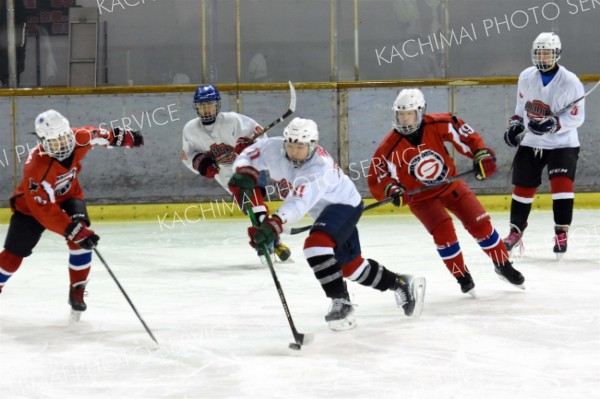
47	182
414	166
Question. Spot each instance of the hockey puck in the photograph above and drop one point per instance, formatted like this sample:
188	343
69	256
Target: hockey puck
295	346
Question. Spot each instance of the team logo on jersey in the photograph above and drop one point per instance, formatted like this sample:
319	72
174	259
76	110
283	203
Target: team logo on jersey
64	182
283	188
537	109
223	153
428	167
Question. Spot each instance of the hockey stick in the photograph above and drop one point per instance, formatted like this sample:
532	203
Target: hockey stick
560	111
291	109
297	230
125	294
300	339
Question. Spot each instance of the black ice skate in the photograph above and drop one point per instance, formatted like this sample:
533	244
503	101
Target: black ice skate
340	316
509	274
467	285
282	251
76	294
514	239
560	242
409	292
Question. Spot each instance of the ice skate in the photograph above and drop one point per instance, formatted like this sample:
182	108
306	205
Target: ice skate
514	239
76	294
560	242
509	274
340	316
282	251
467	285
409	293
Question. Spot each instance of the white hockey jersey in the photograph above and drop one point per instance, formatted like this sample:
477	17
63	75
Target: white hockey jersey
533	96
198	138
306	189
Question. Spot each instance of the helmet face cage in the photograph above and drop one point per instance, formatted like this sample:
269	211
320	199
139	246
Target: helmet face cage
204	98
55	132
409	100
301	131
546	51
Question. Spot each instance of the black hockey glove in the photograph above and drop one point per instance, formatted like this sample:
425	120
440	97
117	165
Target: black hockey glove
512	136
205	164
127	138
540	127
78	233
398	193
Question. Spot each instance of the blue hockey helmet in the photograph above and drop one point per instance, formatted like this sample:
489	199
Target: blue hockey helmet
207	103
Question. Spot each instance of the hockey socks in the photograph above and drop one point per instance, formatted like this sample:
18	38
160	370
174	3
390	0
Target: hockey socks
9	264
370	274
80	261
494	247
520	207
453	258
318	250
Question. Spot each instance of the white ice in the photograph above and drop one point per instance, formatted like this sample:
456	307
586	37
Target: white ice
223	334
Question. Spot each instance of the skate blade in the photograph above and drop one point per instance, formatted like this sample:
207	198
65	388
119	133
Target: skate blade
418	290
472	293
522	286
343	324
75	315
559	255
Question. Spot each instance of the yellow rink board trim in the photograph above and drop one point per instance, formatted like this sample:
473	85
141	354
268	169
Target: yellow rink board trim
196	213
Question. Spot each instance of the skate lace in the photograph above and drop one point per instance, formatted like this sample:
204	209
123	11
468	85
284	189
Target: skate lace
338	303
513	238
560	239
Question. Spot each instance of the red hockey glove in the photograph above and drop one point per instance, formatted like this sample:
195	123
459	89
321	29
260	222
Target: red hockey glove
243	182
484	163
398	193
78	233
222	153
267	232
242	143
127	138
205	164
551	125
512	136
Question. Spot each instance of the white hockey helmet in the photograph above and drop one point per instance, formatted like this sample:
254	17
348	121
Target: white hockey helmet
545	51
55	132
302	131
409	100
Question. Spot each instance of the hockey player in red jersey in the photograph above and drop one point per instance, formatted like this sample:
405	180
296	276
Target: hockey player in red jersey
412	156
50	197
551	140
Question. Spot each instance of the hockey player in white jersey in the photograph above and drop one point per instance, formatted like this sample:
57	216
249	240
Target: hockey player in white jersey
212	141
312	183
548	140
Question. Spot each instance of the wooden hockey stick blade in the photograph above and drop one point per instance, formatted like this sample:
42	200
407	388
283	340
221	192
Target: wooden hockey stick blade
298	230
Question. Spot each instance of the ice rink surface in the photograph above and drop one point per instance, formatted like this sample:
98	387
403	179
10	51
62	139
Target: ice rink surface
223	334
